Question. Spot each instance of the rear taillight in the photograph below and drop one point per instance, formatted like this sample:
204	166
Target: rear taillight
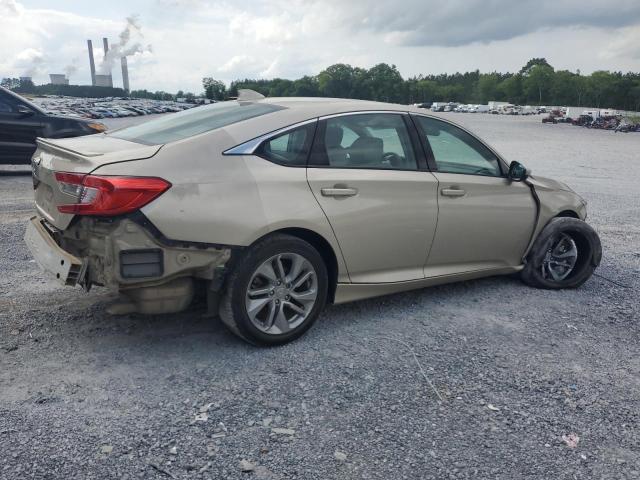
107	195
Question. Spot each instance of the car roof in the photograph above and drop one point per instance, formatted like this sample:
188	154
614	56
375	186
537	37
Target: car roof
299	109
319	106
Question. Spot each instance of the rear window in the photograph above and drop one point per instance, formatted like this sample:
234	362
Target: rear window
177	126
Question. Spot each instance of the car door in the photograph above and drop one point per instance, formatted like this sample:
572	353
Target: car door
19	127
485	221
364	173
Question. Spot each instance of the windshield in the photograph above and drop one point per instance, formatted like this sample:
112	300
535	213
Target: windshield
177	126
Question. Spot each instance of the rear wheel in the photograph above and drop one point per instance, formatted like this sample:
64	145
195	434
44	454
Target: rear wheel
564	255
275	291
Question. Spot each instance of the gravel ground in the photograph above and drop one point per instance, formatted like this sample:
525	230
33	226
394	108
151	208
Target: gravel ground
477	380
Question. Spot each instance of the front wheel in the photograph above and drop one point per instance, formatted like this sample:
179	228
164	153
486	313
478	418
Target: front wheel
564	255
275	291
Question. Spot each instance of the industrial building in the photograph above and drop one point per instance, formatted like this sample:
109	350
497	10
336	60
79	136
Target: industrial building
106	79
58	79
103	81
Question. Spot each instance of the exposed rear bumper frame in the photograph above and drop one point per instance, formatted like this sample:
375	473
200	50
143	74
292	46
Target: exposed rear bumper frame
66	268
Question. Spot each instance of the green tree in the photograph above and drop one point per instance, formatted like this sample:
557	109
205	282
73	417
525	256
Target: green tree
214	89
305	87
537	81
511	88
526	70
487	87
563	88
384	83
600	84
336	81
635	95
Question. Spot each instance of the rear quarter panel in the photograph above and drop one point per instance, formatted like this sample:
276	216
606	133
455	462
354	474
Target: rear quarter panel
226	199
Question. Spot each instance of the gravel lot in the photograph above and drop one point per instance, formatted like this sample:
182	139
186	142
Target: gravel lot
85	395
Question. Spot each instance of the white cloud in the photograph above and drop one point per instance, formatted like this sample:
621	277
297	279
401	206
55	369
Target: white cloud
273	29
237	63
193	39
624	44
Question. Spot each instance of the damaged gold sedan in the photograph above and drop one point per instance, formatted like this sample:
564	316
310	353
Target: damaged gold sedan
273	208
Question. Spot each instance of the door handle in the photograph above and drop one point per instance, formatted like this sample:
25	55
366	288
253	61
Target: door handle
338	192
453	192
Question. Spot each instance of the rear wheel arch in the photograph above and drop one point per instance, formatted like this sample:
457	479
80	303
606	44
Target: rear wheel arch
323	247
247	266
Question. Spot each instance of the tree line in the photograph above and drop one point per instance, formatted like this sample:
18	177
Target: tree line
537	83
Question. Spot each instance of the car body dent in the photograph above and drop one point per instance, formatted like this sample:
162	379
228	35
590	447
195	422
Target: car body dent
553	198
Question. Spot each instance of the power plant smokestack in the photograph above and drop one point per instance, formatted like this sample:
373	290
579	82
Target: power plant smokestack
92	64
125	73
105	44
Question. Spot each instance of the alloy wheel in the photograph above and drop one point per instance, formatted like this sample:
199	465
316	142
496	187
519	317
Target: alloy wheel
560	259
281	293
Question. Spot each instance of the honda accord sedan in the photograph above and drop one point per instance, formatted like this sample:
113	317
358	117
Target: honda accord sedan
274	207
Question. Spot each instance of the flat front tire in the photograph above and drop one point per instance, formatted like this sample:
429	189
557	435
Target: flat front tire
275	291
564	255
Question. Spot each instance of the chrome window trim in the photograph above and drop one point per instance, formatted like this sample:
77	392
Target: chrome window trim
249	147
362	112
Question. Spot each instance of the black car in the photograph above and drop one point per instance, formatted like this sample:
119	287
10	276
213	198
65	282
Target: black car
21	122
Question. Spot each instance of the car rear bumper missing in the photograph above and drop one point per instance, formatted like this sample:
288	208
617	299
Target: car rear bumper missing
156	274
68	269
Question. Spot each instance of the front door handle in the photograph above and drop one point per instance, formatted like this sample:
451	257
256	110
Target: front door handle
453	192
339	192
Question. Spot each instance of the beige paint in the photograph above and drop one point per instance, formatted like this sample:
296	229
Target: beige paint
350	292
385	230
398	233
489	227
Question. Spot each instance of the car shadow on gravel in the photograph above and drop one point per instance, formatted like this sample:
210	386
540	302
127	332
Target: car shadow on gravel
194	336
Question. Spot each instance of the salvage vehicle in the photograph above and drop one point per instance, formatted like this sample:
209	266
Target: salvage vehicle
21	122
274	207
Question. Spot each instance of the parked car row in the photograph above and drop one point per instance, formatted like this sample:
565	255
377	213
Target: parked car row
597	119
493	107
107	107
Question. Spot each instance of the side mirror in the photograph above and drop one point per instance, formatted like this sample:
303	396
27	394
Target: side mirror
24	111
517	172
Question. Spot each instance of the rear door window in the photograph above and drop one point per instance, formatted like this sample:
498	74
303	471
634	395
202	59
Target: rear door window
369	140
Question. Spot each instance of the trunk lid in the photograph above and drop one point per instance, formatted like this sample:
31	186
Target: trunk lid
76	155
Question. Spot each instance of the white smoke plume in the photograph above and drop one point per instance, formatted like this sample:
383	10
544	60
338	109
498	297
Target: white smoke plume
130	43
72	68
31	61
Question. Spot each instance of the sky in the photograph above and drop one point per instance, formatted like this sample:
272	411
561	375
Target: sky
172	44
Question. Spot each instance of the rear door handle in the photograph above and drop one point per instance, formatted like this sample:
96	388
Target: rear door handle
338	192
453	192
